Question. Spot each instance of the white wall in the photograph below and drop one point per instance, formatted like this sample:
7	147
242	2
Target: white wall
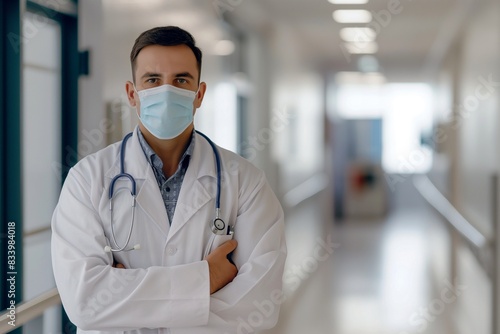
471	145
479	103
478	158
297	105
259	108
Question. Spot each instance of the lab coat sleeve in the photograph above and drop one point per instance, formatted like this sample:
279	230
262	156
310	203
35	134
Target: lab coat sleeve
97	296
251	302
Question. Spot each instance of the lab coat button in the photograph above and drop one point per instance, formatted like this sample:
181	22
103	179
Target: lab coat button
172	250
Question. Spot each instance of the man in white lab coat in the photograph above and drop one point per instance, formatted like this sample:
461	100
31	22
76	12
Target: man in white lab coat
153	264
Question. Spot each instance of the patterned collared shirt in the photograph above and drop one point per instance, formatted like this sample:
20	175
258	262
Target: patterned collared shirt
170	188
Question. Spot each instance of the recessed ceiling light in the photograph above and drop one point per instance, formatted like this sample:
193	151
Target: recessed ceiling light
348	2
352	16
362	48
358	34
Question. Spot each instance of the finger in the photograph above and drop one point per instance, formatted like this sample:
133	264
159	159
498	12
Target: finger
119	266
228	246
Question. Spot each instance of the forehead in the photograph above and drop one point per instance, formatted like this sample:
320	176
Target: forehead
166	60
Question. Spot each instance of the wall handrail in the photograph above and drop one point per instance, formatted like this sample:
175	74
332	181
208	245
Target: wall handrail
29	310
305	190
436	199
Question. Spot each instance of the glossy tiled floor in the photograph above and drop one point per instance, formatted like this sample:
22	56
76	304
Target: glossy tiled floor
376	281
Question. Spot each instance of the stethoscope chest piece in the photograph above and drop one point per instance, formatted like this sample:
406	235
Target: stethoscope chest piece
218	226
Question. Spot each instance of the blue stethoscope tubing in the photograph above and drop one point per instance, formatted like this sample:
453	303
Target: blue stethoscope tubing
218	225
133	192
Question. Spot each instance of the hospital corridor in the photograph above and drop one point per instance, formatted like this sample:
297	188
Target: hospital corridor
350	147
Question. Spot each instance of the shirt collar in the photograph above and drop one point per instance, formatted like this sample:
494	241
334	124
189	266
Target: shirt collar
153	158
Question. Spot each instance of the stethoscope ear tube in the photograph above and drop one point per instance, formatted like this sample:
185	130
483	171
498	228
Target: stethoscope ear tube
122	170
218	171
218	224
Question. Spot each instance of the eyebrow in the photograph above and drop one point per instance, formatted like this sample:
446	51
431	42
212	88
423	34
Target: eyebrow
184	74
151	75
159	75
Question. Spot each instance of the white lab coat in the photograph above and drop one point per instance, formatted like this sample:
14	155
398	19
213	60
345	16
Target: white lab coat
165	288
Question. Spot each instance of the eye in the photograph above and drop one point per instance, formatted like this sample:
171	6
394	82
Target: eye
182	81
152	81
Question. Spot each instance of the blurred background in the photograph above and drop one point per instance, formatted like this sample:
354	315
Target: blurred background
375	122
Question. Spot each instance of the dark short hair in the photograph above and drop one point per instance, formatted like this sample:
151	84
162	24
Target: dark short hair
165	36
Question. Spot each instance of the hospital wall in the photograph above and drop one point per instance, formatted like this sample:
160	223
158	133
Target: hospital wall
477	114
468	145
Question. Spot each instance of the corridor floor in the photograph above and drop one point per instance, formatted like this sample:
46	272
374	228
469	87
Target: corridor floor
377	280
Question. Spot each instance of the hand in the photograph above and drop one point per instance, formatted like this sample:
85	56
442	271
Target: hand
118	265
222	271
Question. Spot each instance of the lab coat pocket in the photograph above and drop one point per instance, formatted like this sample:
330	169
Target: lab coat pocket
219	240
216	241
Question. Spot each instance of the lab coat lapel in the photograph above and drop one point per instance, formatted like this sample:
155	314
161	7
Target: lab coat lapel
194	195
150	200
148	193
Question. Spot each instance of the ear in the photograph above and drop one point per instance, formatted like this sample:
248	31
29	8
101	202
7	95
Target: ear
133	99
199	97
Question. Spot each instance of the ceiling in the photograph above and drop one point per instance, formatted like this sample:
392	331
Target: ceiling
411	43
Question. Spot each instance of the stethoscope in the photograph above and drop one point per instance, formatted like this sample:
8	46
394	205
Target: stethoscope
218	226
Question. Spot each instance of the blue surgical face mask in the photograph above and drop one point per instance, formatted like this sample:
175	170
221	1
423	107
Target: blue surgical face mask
166	111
